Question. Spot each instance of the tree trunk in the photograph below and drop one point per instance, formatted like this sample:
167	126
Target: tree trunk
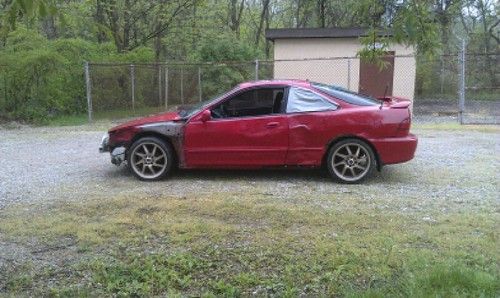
321	6
100	21
268	43
235	13
264	12
486	41
49	27
127	25
114	26
157	43
297	14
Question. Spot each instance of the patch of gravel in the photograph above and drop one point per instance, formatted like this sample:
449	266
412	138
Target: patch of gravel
452	170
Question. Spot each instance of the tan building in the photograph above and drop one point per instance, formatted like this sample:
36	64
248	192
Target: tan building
316	46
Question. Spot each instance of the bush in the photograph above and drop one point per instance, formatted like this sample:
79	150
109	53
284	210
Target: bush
42	79
39	77
225	51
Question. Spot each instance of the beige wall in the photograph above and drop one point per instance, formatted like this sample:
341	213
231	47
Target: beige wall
335	71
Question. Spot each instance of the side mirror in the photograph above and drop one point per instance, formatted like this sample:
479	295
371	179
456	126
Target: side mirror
205	116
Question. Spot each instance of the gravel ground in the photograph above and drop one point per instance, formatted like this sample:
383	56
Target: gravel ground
451	170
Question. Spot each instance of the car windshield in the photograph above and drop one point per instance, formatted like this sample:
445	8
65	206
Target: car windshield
188	111
347	95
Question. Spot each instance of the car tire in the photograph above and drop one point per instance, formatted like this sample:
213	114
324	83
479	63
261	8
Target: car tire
150	158
351	161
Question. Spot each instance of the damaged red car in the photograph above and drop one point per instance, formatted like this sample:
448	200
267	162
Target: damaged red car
277	123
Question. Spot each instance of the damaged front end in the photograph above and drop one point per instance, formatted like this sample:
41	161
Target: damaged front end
117	153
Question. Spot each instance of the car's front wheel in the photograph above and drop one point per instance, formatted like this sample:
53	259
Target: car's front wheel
351	161
150	158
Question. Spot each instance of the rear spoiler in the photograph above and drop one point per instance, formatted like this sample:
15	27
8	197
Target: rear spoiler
395	102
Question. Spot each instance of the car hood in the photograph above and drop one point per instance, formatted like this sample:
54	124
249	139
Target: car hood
168	116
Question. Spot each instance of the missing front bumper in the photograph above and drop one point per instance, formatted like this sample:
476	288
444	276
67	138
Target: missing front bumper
117	153
118	156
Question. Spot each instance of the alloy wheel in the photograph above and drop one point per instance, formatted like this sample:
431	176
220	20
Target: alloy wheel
149	160
351	162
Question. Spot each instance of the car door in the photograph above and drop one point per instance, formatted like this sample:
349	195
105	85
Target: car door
310	126
248	129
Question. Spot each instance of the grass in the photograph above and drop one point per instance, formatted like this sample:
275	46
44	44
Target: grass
80	119
455	126
240	244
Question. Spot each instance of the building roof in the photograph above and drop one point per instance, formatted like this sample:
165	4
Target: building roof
287	33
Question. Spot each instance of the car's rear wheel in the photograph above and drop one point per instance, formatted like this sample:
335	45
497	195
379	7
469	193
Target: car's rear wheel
150	158
351	161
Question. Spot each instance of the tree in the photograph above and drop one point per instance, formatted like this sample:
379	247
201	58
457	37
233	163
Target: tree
235	13
25	9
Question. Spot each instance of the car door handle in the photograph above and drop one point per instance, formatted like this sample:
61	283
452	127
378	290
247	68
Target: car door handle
272	124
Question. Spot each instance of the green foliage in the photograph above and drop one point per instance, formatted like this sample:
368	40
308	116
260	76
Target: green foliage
231	59
36	79
224	48
375	47
137	275
63	34
440	280
28	9
19	282
415	25
43	79
412	24
223	289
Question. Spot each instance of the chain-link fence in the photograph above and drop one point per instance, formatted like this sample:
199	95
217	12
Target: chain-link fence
481	88
459	87
121	90
451	87
437	88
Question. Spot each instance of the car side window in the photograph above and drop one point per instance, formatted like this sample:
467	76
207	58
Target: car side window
303	100
255	102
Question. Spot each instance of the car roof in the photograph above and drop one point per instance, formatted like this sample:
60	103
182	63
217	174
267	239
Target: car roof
298	83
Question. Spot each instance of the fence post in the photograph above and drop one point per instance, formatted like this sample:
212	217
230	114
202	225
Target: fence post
159	85
89	90
348	73
441	76
132	86
182	85
166	88
256	69
199	82
5	88
461	92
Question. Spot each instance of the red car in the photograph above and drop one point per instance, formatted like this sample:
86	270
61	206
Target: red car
278	123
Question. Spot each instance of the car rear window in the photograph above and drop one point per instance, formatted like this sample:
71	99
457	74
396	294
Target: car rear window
347	95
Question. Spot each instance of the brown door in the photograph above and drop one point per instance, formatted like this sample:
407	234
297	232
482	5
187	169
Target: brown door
374	81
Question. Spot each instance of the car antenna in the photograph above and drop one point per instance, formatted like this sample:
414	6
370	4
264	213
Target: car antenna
383	98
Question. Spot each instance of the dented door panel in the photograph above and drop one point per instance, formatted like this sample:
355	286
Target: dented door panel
235	142
311	133
305	137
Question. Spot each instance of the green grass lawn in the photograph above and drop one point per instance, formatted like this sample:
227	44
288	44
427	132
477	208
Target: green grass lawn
116	114
455	126
238	245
